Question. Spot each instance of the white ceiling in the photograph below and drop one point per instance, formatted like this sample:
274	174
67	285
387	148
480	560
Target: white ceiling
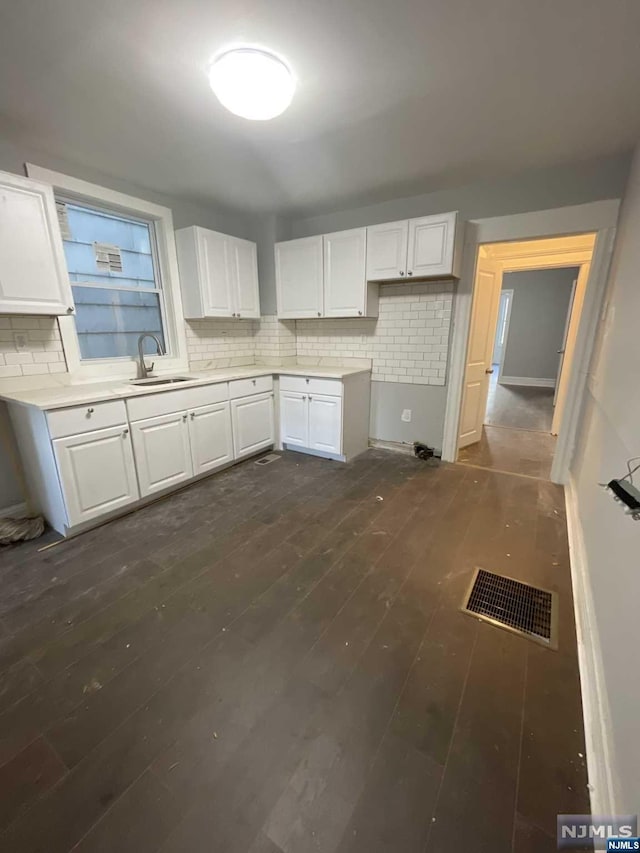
394	98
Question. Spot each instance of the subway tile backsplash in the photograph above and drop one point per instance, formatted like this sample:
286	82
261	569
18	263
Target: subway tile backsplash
408	342
43	353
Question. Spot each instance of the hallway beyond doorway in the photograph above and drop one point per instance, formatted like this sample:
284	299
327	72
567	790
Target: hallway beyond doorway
519	406
513	451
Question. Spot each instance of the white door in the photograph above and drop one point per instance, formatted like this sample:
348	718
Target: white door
345	283
387	250
162	451
210	437
484	318
565	335
244	270
299	278
252	422
502	327
97	472
217	298
325	423
431	244
294	419
33	272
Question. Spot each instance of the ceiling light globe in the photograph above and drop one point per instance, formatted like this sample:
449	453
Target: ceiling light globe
252	83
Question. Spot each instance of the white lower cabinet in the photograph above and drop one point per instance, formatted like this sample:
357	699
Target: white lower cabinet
252	421
210	437
294	418
97	472
163	452
311	421
325	424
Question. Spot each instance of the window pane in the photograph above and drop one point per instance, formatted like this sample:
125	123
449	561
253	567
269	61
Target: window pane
109	321
114	282
132	239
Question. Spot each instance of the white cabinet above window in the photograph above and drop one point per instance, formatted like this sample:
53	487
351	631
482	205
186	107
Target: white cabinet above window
428	247
218	274
33	275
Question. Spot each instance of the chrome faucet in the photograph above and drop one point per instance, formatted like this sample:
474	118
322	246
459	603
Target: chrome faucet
143	370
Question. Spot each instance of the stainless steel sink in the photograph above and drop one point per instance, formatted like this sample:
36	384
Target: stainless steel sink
167	380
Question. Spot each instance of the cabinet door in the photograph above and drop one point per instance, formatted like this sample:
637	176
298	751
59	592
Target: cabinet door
345	283
33	272
431	243
210	437
244	267
325	423
163	455
252	421
215	274
97	472
299	279
294	418
387	250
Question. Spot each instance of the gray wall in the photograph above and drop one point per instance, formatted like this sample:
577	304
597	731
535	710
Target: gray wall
536	327
388	399
610	435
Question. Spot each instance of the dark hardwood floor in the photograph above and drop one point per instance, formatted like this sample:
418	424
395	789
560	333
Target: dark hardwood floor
515	451
274	660
519	406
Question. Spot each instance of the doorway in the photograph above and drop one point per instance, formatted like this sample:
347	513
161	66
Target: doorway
526	310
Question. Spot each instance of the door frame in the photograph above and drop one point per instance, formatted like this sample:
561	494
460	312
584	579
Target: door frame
507	320
598	217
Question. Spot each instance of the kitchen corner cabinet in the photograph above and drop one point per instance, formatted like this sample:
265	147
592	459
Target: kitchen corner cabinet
252	415
218	274
299	278
33	272
324	276
428	247
325	417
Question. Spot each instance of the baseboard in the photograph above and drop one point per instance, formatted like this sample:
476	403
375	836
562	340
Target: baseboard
527	380
14	511
595	704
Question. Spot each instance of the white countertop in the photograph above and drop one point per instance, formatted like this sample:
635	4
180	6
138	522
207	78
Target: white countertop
60	396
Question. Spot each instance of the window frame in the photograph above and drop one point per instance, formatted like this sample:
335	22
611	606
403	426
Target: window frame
81	192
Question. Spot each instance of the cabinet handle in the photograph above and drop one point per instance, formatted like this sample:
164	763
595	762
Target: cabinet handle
319	314
401	272
70	309
304	396
307	380
238	316
360	313
410	272
184	417
193	414
125	433
90	411
310	396
254	381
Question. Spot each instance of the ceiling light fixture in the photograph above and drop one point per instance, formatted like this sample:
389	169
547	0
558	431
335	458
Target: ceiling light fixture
252	83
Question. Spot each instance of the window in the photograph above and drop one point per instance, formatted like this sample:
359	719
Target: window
123	268
111	260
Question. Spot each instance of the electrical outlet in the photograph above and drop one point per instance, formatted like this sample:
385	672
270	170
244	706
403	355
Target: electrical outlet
406	416
20	340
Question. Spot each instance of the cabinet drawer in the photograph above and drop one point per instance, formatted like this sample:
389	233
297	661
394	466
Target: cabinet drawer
244	387
167	402
311	384
79	419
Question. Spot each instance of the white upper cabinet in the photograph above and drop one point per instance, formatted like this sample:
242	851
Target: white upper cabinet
299	278
33	272
244	273
345	281
218	274
429	247
387	250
